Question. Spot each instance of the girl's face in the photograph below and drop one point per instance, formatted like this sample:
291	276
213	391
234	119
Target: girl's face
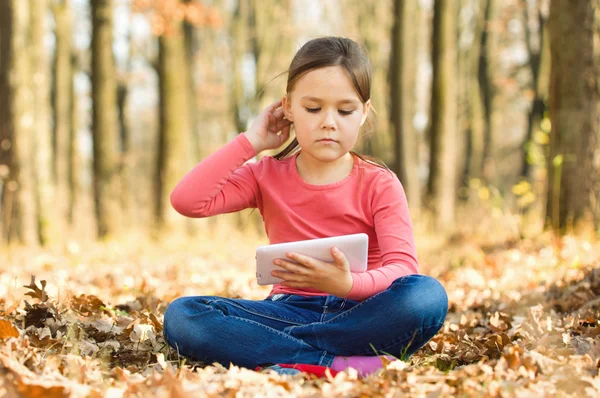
327	113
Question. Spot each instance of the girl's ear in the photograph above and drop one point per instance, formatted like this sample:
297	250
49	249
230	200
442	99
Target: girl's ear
366	108
287	108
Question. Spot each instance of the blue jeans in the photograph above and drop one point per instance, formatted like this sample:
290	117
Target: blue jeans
288	328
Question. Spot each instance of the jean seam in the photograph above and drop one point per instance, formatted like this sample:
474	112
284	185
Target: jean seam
280	319
398	281
278	332
322	358
345	313
344	301
282	299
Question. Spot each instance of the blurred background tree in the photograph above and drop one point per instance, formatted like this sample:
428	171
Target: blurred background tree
486	110
574	158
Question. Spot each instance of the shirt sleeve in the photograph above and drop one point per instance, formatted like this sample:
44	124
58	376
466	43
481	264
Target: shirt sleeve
221	183
395	236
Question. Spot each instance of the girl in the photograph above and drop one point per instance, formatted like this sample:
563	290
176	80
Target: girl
321	313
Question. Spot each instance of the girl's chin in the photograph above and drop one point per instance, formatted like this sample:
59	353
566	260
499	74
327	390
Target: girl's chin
326	154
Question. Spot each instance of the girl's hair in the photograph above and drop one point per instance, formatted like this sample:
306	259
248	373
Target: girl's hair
332	51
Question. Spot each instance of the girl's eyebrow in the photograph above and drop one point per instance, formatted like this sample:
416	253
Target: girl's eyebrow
344	101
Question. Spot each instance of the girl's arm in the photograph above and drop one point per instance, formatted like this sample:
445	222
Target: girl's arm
394	231
221	183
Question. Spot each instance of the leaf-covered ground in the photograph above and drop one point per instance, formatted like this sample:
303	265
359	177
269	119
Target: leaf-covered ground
523	321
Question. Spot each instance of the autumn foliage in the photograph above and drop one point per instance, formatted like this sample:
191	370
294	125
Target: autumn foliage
164	13
523	321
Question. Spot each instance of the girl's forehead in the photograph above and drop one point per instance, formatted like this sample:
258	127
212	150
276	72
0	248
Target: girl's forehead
327	82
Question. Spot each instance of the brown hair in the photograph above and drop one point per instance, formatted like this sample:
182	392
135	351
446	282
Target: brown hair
332	51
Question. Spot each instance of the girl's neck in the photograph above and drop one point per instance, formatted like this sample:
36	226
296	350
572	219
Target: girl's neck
316	172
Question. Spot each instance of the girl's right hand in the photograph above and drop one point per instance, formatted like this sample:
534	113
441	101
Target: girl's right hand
262	134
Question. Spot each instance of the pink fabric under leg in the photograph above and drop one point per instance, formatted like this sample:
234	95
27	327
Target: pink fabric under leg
365	365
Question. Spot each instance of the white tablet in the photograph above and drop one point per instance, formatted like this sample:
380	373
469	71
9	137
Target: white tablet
355	247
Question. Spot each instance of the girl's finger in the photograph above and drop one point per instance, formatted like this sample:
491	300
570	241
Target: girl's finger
308	262
278	113
288	276
291	267
271	108
282	123
339	256
285	132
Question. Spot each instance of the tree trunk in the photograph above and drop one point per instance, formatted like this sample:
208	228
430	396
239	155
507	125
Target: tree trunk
444	138
474	117
47	217
174	136
73	156
374	25
403	76
574	103
539	57
239	30
191	45
265	16
63	128
6	134
488	66
124	139
105	131
19	216
504	134
128	182
8	173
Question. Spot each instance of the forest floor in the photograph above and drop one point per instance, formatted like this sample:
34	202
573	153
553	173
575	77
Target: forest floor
523	321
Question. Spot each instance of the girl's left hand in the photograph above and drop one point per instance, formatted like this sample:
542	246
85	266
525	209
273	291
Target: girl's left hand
333	278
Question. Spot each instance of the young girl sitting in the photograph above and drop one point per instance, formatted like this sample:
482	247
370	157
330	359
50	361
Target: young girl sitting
321	313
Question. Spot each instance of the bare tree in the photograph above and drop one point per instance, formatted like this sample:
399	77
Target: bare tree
539	63
239	31
64	130
403	76
257	31
442	185
494	101
574	102
19	216
43	155
106	136
174	148
471	114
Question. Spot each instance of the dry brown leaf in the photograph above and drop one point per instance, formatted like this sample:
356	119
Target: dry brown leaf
157	325
36	292
37	314
87	304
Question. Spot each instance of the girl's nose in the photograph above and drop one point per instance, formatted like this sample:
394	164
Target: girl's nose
329	122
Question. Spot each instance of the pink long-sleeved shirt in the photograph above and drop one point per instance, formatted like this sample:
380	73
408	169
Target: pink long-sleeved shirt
370	200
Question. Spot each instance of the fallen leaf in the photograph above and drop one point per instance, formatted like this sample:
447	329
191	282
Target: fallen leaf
36	292
7	330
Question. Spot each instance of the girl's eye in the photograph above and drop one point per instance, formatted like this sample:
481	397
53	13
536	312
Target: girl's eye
342	112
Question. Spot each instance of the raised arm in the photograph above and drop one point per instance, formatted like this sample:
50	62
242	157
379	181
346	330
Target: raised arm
221	183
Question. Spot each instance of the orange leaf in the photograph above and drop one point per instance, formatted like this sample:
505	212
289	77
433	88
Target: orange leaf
10	309
41	389
7	330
